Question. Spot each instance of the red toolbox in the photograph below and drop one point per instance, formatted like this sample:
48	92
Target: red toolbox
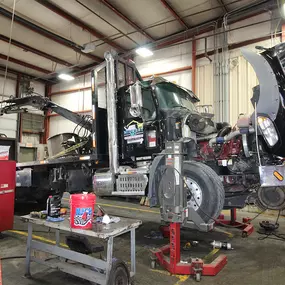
7	194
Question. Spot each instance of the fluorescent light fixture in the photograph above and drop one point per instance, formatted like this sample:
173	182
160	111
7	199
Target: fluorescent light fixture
144	52
66	77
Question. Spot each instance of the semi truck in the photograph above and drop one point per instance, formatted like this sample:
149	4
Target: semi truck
128	143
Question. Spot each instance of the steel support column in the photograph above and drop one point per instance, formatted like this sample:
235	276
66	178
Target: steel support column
19	116
194	66
283	33
45	135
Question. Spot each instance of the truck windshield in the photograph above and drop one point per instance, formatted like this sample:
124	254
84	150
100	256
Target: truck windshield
171	96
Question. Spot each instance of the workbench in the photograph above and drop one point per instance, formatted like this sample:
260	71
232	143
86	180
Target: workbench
83	266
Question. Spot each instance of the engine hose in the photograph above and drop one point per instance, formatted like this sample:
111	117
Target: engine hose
228	137
224	131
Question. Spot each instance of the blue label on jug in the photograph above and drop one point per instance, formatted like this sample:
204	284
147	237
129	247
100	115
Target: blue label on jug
83	216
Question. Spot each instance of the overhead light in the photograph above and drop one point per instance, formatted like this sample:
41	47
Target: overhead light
89	47
66	77
144	52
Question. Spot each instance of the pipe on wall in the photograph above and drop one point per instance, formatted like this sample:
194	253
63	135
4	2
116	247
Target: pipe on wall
193	83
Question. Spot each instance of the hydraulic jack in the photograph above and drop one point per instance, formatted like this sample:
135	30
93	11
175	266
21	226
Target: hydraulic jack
245	226
169	257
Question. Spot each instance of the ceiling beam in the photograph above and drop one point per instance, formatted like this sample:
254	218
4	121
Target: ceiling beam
174	14
126	19
78	23
249	11
48	34
35	51
13	71
223	6
25	64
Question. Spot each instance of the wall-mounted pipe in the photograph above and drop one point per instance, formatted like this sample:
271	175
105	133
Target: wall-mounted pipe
193	66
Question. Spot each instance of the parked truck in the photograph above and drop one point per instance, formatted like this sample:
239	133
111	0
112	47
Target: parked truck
125	148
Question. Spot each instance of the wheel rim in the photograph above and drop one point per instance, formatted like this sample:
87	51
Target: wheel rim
194	194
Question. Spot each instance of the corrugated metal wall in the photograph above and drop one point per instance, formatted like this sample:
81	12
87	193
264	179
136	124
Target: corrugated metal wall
242	80
205	84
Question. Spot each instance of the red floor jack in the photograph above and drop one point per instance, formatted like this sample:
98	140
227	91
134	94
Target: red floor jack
173	264
245	226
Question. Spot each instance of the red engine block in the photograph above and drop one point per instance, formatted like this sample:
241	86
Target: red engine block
225	151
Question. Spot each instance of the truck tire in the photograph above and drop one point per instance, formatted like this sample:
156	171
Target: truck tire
201	178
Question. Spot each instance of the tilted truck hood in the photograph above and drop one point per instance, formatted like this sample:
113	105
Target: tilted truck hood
269	95
268	101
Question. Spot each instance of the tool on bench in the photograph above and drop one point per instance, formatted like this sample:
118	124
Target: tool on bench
174	210
38	215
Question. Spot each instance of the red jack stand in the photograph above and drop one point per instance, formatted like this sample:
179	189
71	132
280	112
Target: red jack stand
246	227
173	264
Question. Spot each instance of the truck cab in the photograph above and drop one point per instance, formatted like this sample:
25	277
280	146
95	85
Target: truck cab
162	111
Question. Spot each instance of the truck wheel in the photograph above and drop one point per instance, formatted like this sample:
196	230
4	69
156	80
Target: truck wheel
205	191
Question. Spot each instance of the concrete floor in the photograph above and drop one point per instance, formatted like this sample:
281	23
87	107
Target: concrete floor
251	262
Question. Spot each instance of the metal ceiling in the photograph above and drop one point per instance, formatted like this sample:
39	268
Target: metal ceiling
48	35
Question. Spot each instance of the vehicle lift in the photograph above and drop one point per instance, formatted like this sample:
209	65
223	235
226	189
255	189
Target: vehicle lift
173	209
245	225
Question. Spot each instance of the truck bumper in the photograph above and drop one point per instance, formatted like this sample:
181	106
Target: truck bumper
273	175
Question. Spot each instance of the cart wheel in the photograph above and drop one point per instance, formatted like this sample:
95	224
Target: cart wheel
244	234
198	277
153	264
119	274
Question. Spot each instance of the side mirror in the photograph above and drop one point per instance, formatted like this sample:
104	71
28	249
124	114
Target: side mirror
136	99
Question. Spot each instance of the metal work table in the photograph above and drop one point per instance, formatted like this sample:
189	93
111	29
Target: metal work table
85	264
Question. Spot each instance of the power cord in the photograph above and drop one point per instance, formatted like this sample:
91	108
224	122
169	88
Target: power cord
12	257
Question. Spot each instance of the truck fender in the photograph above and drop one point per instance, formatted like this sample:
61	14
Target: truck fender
155	175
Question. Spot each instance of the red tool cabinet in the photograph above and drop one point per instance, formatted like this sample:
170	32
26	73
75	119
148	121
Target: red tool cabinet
7	194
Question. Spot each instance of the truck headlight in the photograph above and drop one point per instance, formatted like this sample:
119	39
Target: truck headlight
268	130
